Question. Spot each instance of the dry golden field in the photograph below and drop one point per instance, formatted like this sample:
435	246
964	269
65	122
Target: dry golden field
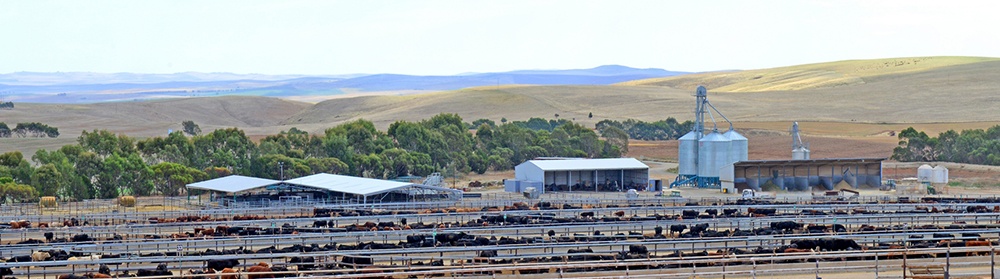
851	120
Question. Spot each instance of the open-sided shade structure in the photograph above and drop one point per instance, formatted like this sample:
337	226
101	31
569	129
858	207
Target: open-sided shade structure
330	187
802	175
233	184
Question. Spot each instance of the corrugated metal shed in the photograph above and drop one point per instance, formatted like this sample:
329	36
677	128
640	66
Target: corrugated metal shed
356	185
588	164
233	184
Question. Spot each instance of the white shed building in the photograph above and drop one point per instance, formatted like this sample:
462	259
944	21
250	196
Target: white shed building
603	175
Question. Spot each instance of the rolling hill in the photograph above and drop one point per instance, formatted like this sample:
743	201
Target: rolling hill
97	87
959	96
811	76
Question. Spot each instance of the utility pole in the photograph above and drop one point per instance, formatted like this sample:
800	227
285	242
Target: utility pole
281	170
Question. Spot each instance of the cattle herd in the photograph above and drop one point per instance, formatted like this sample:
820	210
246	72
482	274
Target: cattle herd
517	238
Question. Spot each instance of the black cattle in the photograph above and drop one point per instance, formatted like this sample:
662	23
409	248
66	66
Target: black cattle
835	244
303	263
82	238
712	212
588	214
281	269
943	235
415	239
698	229
816	228
320	224
730	211
31	241
360	261
72	276
161	270
49	236
20	259
786	226
638	250
577	251
689	214
219	264
762	211
977	209
104	269
677	228
839	228
488	254
6	271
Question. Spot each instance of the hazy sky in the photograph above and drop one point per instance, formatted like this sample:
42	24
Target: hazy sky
450	37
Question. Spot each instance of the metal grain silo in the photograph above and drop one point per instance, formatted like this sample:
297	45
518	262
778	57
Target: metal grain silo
925	173
800	153
713	153
738	150
939	174
687	155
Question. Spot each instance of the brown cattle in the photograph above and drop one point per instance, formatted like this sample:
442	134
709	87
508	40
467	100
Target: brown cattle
253	271
228	273
96	275
22	224
977	243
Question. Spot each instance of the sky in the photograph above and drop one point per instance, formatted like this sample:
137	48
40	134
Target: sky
431	37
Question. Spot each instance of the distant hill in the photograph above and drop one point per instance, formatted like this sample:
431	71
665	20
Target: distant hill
97	87
943	95
811	76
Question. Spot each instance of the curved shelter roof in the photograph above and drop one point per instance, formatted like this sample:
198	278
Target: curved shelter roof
356	185
233	183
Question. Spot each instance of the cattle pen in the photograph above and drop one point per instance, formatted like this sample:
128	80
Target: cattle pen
571	237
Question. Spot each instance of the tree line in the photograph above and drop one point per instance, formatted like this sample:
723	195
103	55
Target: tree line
31	129
969	146
667	129
105	165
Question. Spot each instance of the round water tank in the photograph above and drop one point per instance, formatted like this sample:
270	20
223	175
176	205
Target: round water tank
925	173
738	150
713	153
687	155
939	174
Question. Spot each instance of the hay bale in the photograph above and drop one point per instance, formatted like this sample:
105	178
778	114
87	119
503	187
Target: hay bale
126	201
48	202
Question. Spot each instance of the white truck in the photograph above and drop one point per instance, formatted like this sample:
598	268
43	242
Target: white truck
751	194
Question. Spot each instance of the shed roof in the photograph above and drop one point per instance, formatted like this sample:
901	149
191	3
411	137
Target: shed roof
812	162
355	185
588	164
232	183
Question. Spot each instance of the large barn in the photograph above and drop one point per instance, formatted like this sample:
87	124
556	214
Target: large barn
322	187
593	175
805	175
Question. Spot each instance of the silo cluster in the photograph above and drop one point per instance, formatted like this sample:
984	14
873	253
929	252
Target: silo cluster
701	155
937	174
